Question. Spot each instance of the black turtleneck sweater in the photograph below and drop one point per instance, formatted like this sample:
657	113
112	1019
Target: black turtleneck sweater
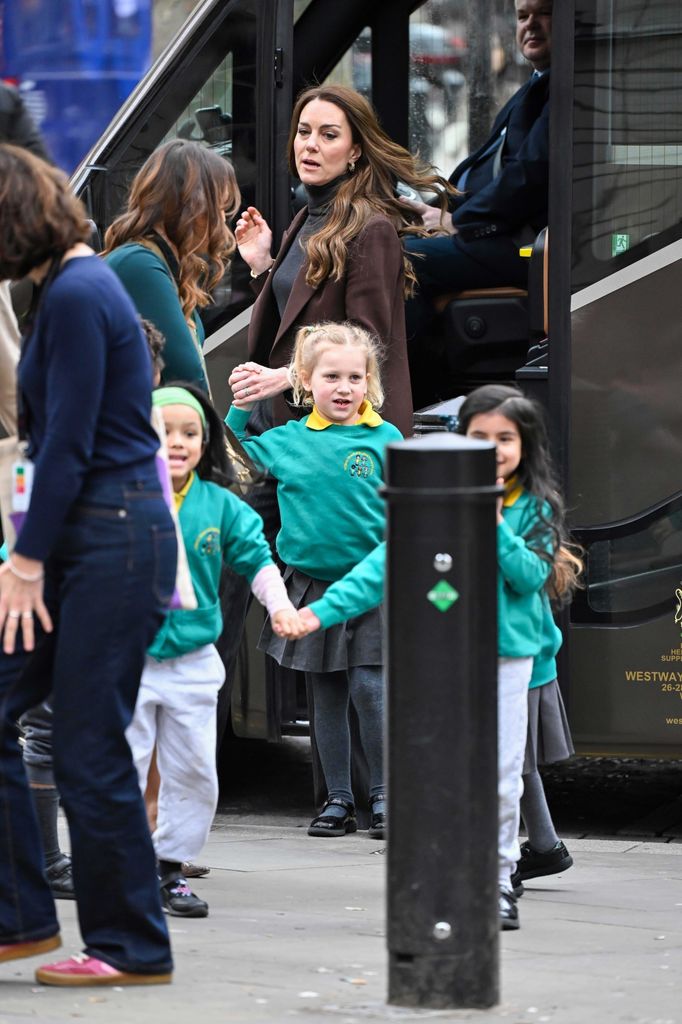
319	201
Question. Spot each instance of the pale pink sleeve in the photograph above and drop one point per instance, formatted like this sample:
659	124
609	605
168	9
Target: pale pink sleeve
268	587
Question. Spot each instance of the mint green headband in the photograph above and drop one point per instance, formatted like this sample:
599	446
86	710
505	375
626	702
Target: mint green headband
179	396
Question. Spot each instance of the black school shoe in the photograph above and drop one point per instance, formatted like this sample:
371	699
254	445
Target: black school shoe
537	865
178	900
377	826
331	824
60	878
509	912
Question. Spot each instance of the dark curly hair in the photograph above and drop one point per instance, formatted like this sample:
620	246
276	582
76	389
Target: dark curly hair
40	218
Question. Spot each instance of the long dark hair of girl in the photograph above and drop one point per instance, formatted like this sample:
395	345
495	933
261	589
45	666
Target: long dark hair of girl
214	464
536	475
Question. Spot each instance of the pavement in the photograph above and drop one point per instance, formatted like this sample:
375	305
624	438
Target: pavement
296	931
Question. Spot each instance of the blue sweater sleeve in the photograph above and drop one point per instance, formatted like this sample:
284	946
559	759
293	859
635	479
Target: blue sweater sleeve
75	353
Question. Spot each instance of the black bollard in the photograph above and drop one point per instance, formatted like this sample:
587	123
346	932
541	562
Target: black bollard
441	591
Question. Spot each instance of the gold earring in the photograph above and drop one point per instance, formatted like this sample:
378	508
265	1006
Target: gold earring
351	166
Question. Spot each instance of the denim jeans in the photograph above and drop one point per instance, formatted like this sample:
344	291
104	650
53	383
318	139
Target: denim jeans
107	586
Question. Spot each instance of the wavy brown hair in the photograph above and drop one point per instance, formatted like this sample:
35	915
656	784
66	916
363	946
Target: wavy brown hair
40	217
369	190
180	186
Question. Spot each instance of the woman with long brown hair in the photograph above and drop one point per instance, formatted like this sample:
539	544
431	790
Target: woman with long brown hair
342	257
172	244
83	592
341	260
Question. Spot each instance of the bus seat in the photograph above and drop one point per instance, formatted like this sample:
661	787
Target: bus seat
486	332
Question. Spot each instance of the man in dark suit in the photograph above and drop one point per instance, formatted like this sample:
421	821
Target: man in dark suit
504	188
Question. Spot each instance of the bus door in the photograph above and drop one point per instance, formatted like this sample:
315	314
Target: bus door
616	363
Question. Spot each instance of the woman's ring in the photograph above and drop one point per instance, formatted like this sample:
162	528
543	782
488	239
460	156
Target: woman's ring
14	615
27	615
246	391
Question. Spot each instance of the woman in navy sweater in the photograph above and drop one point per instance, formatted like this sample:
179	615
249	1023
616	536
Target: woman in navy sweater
83	591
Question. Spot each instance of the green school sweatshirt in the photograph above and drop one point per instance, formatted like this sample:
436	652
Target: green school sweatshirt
328	489
521	578
358	591
217	527
544	663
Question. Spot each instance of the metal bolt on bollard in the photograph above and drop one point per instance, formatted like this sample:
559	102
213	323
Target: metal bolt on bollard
441	591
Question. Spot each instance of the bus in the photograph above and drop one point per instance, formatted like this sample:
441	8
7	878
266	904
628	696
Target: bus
603	300
74	63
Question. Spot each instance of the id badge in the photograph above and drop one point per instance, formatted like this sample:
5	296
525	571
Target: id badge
22	484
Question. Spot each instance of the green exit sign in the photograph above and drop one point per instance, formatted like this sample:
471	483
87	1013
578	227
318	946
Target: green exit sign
620	243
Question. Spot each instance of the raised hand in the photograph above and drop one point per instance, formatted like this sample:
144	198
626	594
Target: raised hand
254	240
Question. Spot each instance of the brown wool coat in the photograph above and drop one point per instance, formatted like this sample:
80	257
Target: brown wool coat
370	293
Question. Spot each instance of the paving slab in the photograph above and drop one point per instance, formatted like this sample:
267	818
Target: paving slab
296	931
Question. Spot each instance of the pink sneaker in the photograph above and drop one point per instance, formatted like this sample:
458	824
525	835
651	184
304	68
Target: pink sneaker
82	969
19	950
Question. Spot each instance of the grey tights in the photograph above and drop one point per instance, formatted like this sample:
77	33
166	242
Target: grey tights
332	691
535	813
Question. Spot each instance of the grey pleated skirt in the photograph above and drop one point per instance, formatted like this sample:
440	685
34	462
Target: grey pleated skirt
351	643
549	738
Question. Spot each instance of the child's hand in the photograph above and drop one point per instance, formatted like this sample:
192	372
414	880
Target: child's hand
286	623
309	620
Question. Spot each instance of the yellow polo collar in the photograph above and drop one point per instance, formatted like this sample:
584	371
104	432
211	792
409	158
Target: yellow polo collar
179	496
512	492
368	417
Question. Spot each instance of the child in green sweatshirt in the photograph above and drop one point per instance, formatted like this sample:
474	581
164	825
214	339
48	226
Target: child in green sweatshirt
329	468
176	707
530	533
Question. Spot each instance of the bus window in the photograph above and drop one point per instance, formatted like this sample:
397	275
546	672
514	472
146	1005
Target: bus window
208	119
639	570
628	133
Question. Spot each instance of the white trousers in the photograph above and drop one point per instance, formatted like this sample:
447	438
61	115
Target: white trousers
9	357
513	677
176	710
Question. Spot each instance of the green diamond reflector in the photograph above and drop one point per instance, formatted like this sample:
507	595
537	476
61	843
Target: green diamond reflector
443	596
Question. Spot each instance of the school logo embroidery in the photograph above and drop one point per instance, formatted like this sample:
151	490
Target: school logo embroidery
359	464
208	542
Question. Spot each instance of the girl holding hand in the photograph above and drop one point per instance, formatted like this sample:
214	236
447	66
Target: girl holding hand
177	703
329	467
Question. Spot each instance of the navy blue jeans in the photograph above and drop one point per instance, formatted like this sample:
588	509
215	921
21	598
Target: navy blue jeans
107	587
